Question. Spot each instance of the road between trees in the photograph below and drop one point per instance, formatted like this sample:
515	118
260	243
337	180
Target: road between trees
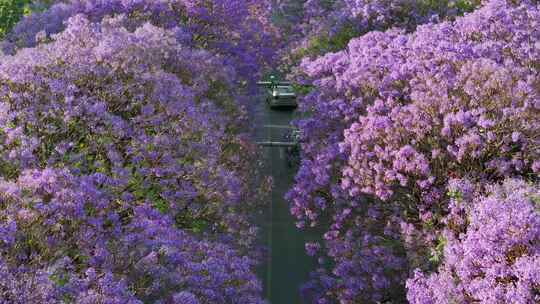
286	266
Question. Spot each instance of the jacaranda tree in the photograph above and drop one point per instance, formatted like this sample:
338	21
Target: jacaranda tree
126	172
390	120
315	27
239	30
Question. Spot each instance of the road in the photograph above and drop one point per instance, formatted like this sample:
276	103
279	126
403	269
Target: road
287	266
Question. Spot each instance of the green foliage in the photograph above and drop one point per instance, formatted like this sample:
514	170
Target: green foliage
11	11
454	194
301	89
60	279
326	43
462	6
536	200
467	5
438	253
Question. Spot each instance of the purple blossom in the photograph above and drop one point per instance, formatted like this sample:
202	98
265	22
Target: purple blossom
128	171
492	254
239	30
435	107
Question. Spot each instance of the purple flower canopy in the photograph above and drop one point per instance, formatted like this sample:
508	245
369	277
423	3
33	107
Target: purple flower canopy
127	176
315	27
392	118
239	30
497	258
125	173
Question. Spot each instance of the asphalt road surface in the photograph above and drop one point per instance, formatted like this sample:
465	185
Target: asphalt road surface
287	265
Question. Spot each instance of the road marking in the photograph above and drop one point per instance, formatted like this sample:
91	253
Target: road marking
278	127
276	144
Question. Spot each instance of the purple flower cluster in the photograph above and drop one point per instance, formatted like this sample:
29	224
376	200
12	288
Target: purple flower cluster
364	248
127	175
442	105
237	29
492	254
329	25
64	239
391	119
